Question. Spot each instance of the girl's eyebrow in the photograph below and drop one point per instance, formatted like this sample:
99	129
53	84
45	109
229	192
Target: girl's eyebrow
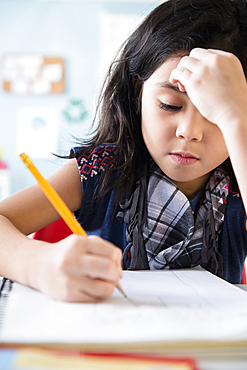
168	85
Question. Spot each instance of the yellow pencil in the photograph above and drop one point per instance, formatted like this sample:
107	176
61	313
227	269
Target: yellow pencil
57	202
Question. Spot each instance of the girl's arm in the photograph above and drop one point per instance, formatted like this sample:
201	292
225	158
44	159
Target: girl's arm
215	82
74	269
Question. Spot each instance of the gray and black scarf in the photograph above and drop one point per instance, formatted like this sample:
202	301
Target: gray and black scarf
162	232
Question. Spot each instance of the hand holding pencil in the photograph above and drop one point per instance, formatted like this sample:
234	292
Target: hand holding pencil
57	202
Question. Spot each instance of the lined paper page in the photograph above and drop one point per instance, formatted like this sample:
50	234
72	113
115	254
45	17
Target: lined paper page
170	305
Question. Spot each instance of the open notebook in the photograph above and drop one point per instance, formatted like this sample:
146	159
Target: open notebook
172	306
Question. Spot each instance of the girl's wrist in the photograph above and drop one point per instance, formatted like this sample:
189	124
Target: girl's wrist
36	262
233	126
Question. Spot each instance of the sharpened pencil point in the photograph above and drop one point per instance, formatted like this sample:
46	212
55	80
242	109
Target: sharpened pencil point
121	290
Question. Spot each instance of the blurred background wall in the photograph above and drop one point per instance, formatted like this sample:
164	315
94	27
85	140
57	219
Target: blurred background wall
53	56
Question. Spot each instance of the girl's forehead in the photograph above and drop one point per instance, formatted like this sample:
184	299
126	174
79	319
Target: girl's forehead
164	70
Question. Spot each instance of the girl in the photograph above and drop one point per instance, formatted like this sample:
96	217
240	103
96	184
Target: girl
157	180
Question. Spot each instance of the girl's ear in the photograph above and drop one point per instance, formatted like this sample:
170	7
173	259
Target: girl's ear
137	86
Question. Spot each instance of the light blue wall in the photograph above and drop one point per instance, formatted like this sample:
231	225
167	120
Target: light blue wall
68	29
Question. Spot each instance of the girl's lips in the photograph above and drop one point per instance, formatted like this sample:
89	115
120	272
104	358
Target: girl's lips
184	158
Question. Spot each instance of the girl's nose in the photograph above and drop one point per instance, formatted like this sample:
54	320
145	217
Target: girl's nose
190	126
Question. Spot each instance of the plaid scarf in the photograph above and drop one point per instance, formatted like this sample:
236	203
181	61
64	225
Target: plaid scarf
162	232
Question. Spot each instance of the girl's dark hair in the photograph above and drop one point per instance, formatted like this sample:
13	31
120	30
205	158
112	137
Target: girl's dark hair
174	27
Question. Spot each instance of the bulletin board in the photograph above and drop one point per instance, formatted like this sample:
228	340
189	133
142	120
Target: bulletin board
32	74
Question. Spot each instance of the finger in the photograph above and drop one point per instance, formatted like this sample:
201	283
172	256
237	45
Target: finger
202	54
181	87
96	288
183	71
86	290
232	58
199	53
190	63
95	245
95	267
180	76
98	246
220	52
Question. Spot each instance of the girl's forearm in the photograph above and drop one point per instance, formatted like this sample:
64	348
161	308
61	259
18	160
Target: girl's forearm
236	140
19	254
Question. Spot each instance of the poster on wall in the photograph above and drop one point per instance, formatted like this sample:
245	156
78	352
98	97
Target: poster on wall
32	74
37	131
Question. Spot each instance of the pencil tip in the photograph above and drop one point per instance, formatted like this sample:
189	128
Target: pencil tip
121	290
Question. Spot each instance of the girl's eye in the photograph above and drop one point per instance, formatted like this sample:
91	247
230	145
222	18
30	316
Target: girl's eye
171	108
